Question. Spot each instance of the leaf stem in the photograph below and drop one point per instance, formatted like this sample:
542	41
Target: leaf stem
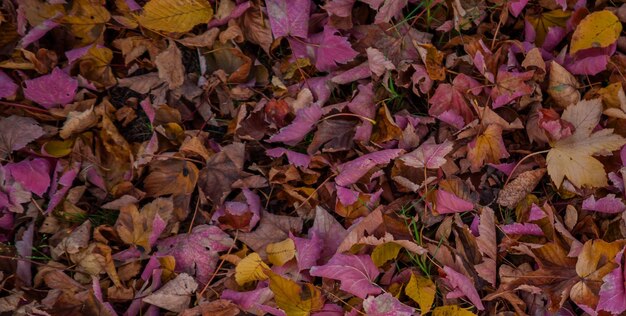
351	114
520	162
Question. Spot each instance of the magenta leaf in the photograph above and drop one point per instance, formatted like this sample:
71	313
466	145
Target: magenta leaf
342	8
16	132
356	273
25	250
303	123
308	251
428	155
516	6
332	49
613	291
295	158
447	203
249	301
386	305
57	88
7	86
196	253
34	175
62	181
510	85
289	17
39	31
522	229
330	231
608	204
462	286
12	195
448	103
351	171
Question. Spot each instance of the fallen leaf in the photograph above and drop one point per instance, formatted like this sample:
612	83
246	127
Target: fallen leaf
174	15
421	290
16	132
175	295
384	305
56	88
281	252
272	228
289	17
462	286
571	157
563	86
170	65
356	273
451	310
293	298
515	191
251	268
598	29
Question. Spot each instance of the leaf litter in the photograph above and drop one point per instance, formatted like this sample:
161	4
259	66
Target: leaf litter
337	157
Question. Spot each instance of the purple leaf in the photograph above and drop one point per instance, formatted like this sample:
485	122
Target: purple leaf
462	285
361	71
522	229
378	63
448	103
510	85
34	175
51	90
289	17
66	179
342	8
39	31
307	250
351	171
516	6
329	230
25	250
249	301
428	155
295	158
16	132
386	305
356	273
196	253
303	123
536	213
12	195
332	49
589	66
7	86
608	204
613	291
447	203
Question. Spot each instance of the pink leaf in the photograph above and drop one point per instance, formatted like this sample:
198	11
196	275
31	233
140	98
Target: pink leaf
356	273
608	204
390	9
289	17
510	85
16	132
463	285
450	203
12	195
332	49
329	230
589	66
428	155
386	305
516	6
7	86
378	63
307	250
536	213
613	291
342	8
361	71
62	184
249	301
51	90
350	172
303	123
34	175
196	253
295	158
522	229
39	31
448	103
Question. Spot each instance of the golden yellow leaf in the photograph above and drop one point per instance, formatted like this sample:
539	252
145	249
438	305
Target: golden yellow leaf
96	66
168	264
545	21
598	29
385	252
295	299
571	157
250	268
175	15
451	310
87	20
488	147
422	290
281	252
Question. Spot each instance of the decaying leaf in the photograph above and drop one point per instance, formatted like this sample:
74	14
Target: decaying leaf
174	15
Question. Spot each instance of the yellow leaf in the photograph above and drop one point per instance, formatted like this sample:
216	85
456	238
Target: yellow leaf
422	290
488	147
175	15
598	29
168	264
571	157
87	20
59	148
294	299
451	310
96	66
281	252
545	21
250	269
385	252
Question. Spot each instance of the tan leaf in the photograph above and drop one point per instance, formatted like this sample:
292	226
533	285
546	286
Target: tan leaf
571	157
563	86
175	295
78	122
514	191
170	66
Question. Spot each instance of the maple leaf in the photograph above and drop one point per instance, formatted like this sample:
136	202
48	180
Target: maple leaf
428	155
332	49
16	132
33	174
356	273
571	157
56	88
488	147
462	286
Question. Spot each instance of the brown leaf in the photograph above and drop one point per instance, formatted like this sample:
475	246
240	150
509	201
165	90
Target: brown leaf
333	135
175	295
221	171
78	122
173	176
214	308
272	228
170	66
